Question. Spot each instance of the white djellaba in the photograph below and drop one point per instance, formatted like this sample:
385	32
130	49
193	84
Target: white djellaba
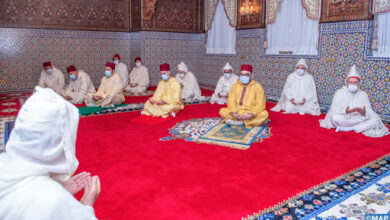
191	89
39	154
224	85
299	85
369	124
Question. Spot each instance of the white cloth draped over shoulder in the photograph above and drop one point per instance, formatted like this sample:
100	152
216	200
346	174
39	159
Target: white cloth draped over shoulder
39	153
299	87
191	89
79	88
370	125
55	80
123	72
139	75
223	87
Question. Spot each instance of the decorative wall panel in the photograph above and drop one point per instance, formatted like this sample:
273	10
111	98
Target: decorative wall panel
135	17
345	10
177	16
256	19
104	15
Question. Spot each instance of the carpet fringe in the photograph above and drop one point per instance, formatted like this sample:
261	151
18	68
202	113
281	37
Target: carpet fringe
224	144
280	204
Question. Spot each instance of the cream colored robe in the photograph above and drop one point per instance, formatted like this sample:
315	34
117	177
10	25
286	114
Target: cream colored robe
223	87
139	75
78	89
370	124
191	89
121	69
111	89
55	81
169	92
244	99
298	88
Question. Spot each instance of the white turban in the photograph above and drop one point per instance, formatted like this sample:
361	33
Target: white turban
42	142
182	67
227	67
302	62
353	73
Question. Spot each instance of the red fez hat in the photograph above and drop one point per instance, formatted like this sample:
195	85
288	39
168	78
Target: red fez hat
246	67
46	64
165	67
138	59
71	69
109	64
117	56
353	77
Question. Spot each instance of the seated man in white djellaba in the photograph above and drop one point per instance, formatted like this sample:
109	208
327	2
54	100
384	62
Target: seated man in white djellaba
351	110
299	93
225	83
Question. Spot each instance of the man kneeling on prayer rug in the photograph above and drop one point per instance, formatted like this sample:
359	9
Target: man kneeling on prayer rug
246	102
166	100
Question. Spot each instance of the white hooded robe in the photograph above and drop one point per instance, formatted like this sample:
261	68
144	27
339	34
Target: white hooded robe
39	154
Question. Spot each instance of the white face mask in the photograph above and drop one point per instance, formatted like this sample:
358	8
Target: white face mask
353	88
138	64
300	72
181	75
49	71
164	76
227	75
116	62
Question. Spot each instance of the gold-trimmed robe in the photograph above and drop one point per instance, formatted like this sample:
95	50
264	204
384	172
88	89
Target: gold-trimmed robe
244	99
168	91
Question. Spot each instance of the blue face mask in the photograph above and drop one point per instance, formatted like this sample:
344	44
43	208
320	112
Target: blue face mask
49	71
72	77
244	79
107	73
164	76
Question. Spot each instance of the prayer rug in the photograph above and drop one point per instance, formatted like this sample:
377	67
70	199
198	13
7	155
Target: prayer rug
6	126
10	103
9	107
93	110
238	137
129	107
356	194
192	129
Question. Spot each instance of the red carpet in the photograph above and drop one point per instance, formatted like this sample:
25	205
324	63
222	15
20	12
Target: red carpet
148	120
143	178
